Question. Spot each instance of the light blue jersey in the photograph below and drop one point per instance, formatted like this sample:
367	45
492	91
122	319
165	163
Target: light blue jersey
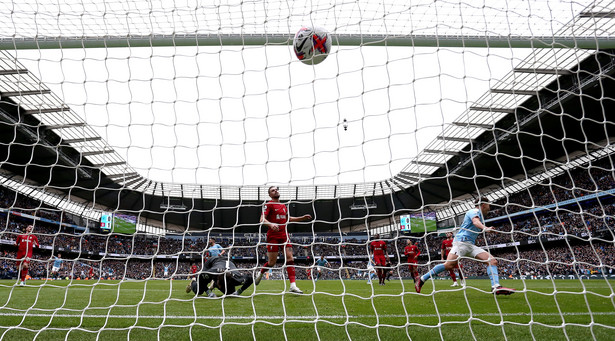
322	262
57	263
468	232
215	250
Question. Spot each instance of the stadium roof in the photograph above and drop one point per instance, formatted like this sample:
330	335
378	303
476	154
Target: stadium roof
551	100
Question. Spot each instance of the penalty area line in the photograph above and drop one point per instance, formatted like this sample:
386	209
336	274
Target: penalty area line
290	317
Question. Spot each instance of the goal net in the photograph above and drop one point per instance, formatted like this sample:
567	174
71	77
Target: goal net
143	141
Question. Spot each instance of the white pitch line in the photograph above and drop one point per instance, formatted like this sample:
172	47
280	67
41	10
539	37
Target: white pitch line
291	317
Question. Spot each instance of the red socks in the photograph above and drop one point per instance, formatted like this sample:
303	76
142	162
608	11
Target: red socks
23	274
290	269
264	268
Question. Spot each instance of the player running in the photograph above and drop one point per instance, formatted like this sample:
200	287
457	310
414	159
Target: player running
412	252
215	249
320	263
447	245
371	271
378	250
57	266
464	245
25	245
275	217
222	274
166	271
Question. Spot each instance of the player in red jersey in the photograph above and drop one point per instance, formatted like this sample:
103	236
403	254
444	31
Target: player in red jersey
25	244
412	252
447	245
91	273
378	249
275	217
194	269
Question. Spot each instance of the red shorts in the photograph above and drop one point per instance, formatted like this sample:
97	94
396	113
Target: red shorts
380	260
275	241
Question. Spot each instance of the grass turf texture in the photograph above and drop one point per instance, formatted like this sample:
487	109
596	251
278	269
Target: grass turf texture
161	309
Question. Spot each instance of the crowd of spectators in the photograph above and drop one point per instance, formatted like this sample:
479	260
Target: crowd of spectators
573	184
142	256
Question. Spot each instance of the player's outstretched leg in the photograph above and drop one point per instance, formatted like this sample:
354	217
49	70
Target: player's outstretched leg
259	277
421	280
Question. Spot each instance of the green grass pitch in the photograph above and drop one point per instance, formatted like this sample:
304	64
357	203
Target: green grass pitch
333	310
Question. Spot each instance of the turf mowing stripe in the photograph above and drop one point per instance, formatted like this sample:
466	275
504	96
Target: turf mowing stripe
296	317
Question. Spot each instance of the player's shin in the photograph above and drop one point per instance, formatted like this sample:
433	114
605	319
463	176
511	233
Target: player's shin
436	270
492	272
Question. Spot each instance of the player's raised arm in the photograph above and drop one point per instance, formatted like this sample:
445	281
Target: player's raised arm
304	217
479	224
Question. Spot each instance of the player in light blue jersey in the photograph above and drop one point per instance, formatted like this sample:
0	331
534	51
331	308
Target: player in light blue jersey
166	271
464	245
371	271
215	249
57	266
320	263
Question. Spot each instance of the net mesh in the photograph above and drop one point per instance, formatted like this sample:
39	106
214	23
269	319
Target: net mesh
170	121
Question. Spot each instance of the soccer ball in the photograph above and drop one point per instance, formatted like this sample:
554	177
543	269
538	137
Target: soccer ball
312	45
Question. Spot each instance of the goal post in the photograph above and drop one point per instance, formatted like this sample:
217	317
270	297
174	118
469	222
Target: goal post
156	40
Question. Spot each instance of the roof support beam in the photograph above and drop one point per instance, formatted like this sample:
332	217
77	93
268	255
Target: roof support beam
492	109
430	164
84	139
473	125
67	125
544	71
454	139
25	93
514	92
598	15
13	72
98	152
110	164
436	151
44	111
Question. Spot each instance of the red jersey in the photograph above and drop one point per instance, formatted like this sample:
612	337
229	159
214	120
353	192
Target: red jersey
194	269
412	252
276	213
378	247
91	273
25	245
447	245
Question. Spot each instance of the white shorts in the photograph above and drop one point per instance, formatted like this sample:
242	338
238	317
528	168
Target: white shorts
370	269
463	249
166	273
55	269
318	268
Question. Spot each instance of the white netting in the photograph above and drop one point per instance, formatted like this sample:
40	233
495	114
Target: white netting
171	120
